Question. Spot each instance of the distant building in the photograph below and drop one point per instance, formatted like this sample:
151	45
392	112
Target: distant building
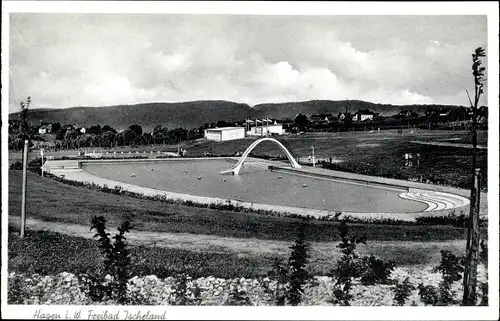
83	130
321	118
68	127
224	133
363	115
344	116
444	112
264	130
45	129
406	113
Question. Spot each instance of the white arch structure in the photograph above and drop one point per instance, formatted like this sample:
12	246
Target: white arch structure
236	169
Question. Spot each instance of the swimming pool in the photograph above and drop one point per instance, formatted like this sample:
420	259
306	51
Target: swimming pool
256	183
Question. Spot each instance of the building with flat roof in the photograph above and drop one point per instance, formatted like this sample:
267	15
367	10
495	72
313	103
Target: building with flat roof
224	133
266	130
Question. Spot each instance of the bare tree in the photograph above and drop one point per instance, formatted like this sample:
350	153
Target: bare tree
472	249
25	127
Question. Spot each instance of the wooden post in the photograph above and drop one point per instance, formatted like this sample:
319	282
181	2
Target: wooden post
41	155
470	275
23	197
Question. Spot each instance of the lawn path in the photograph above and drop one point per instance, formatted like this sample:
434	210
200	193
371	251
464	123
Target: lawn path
321	252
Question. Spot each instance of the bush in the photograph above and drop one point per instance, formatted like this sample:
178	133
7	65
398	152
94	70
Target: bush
451	219
279	273
373	270
402	291
451	268
483	286
428	294
16	166
345	270
297	266
111	282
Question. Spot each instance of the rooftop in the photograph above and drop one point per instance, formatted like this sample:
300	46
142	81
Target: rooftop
226	128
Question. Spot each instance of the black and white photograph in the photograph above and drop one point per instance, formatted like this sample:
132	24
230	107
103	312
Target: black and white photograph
223	160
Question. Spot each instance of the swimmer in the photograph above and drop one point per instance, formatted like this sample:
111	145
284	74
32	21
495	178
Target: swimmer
304	185
186	171
133	175
279	177
199	177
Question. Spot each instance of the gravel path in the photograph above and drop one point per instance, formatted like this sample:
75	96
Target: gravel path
320	251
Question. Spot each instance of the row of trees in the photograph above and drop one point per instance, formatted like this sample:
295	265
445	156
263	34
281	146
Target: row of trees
69	137
106	136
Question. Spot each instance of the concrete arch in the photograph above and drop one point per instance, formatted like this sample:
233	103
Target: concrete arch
236	169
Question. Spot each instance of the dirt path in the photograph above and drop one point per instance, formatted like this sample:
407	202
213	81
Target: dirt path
321	252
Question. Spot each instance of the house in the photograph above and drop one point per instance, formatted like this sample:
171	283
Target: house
344	116
321	118
363	115
406	113
45	129
443	112
83	130
224	133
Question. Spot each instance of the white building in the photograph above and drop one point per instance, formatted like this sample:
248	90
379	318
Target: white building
264	130
224	133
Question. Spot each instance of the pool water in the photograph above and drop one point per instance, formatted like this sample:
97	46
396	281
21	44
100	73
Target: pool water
255	184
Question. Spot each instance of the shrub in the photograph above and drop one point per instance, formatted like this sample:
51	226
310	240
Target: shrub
451	268
111	282
16	166
279	273
373	270
402	291
297	266
453	219
345	270
483	286
428	294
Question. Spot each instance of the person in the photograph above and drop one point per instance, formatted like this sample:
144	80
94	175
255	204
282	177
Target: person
406	159
418	158
410	162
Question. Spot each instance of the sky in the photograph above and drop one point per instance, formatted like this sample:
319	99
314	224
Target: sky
65	59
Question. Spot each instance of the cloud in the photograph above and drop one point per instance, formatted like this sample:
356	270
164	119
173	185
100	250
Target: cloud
66	60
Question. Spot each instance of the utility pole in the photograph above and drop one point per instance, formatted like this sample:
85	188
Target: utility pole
313	159
472	247
23	197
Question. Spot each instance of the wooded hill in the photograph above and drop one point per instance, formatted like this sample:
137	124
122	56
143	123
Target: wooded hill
196	113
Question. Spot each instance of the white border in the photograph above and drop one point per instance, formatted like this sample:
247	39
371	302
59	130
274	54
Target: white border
281	8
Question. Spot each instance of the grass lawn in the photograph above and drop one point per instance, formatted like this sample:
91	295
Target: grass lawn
50	200
376	155
48	253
